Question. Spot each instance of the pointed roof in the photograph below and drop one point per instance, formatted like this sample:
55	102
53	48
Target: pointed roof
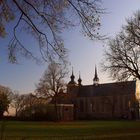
108	89
72	77
79	80
95	79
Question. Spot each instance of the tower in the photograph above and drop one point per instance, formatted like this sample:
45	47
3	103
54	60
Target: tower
79	80
72	86
72	77
95	79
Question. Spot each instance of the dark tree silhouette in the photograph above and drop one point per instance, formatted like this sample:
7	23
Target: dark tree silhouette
45	20
18	102
4	99
52	82
122	58
23	104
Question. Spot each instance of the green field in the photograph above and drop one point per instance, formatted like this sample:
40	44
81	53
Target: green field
81	130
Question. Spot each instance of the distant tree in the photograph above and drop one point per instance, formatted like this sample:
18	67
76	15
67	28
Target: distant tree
17	102
45	20
5	93
52	82
21	102
32	107
122	57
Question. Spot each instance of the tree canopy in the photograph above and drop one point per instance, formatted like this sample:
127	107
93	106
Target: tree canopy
122	58
45	21
4	99
52	80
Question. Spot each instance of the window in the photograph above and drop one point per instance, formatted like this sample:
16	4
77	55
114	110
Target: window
81	106
126	103
92	107
107	105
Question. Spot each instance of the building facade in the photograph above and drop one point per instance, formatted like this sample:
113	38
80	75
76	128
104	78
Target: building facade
104	101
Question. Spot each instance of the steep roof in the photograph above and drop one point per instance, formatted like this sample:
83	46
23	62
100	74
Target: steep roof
119	88
72	77
96	79
62	98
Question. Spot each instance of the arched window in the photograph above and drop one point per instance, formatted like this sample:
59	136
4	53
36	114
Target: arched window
92	107
81	106
107	105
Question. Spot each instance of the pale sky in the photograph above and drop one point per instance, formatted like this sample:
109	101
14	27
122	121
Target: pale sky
83	56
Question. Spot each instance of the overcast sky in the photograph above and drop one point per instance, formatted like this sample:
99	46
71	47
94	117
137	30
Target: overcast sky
83	53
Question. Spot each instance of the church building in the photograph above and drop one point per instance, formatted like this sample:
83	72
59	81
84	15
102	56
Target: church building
118	100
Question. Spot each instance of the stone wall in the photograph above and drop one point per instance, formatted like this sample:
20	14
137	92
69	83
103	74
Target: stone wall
122	106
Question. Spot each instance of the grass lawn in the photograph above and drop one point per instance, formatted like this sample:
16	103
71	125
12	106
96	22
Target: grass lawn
80	130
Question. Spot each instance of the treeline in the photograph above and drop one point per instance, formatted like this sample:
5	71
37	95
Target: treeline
25	107
37	106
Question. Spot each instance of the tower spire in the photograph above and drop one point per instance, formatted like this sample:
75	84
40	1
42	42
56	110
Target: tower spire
72	77
95	79
79	80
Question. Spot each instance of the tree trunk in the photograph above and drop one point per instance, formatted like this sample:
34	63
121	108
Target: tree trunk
1	115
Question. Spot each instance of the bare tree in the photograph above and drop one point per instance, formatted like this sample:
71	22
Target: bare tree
21	102
52	82
17	102
122	58
28	106
45	20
